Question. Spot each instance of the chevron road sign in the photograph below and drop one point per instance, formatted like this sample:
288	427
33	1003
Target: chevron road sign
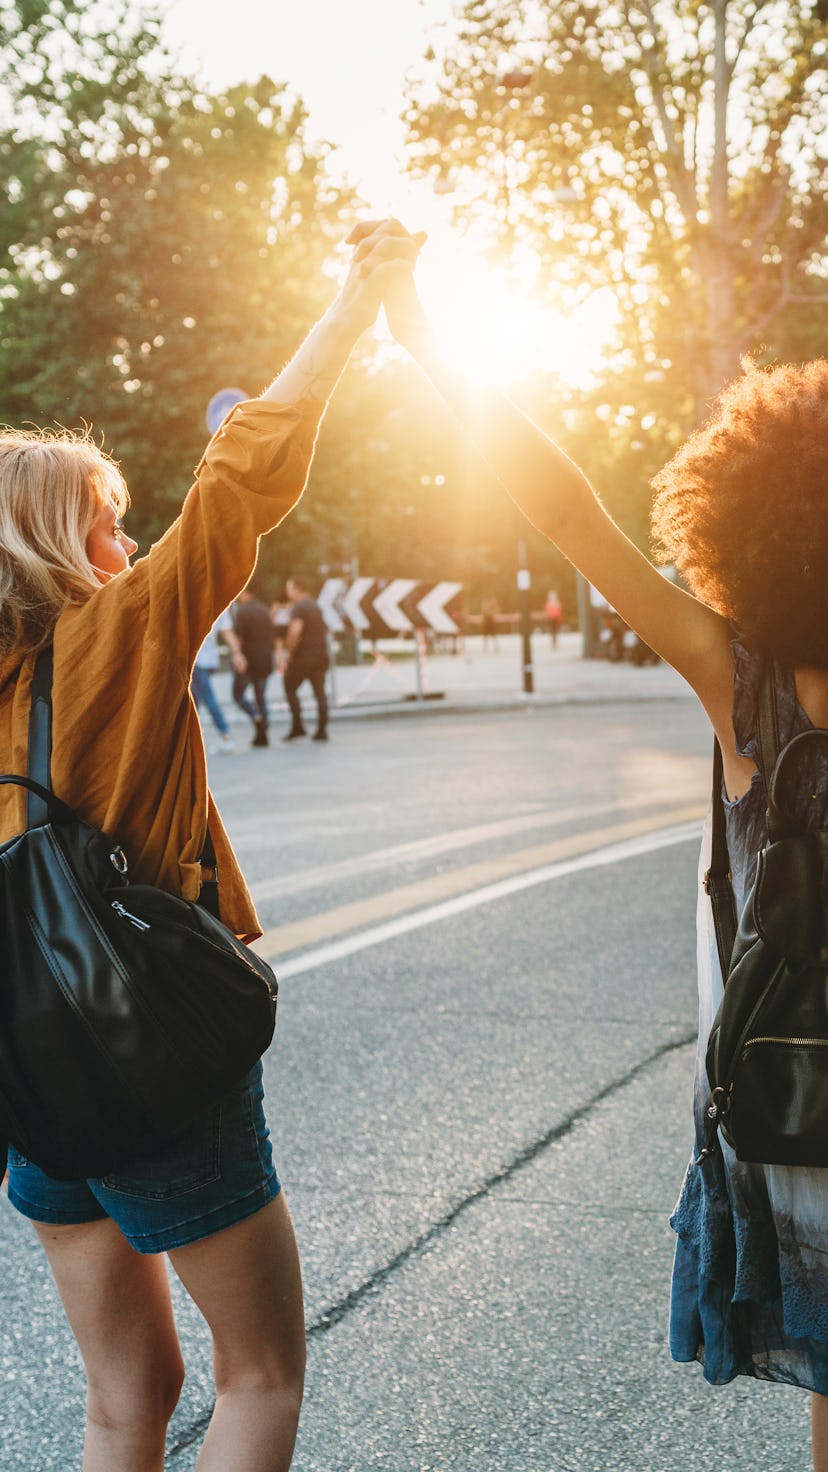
378	609
351	605
388	604
426	606
329	599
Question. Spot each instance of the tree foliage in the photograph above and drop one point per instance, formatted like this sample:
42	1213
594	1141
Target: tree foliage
160	243
672	148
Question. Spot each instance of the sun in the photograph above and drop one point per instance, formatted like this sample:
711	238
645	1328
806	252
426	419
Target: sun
493	324
491	321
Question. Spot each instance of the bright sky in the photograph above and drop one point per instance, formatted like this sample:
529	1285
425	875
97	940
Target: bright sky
348	60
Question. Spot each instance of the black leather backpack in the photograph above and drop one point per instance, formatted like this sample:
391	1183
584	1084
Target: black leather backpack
124	1011
767	1056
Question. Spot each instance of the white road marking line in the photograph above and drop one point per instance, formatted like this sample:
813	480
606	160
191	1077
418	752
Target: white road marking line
436	844
374	935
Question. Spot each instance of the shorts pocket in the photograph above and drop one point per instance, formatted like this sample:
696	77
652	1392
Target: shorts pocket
191	1159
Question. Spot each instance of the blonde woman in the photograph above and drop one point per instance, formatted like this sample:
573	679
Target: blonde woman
129	757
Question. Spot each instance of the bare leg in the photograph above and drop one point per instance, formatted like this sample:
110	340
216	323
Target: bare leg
819	1432
247	1283
118	1306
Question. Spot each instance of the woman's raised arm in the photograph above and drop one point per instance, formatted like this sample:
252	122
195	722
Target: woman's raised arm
556	497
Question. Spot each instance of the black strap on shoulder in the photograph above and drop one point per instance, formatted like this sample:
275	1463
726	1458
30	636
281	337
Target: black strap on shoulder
717	880
40	737
768	729
39	770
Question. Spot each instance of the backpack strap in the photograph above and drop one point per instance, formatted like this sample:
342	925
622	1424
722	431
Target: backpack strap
767	725
40	737
717	880
38	768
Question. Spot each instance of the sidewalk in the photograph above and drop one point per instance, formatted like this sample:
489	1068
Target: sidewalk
473	682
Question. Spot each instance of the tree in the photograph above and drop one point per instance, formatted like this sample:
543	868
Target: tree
159	244
670	147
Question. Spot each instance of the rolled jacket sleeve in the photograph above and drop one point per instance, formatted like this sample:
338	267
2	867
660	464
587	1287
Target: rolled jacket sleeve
127	749
251	475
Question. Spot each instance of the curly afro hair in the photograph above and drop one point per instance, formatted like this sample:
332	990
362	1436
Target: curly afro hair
742	510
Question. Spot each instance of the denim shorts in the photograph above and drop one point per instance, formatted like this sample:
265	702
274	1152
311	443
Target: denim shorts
213	1174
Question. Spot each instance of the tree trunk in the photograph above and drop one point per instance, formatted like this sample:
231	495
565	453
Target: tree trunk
720	285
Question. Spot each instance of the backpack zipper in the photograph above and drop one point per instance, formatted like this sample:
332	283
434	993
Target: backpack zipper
787	1042
127	915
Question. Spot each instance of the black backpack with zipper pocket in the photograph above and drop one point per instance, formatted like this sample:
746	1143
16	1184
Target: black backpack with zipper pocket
767	1055
125	1011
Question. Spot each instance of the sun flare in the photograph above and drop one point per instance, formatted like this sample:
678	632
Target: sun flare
491	329
491	320
494	326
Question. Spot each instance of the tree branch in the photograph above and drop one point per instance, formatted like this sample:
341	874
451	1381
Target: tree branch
750	22
720	172
682	185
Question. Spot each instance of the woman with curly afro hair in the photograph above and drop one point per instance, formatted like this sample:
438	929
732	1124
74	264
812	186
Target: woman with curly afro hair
742	511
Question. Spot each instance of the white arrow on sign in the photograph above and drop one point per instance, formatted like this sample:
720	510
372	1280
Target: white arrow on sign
330	595
387	604
351	605
432	607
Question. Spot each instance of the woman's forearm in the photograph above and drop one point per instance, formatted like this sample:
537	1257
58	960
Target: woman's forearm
382	258
315	369
541	479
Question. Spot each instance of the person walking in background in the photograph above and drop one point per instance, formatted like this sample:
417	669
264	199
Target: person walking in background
490	610
306	658
206	664
741	507
253	660
553	608
280	618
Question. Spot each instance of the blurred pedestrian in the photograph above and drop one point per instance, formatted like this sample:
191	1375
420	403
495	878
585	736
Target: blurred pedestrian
128	756
306	658
253	661
490	610
280	618
206	663
553	608
739	509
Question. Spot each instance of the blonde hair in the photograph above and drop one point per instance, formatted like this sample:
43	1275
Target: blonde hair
53	485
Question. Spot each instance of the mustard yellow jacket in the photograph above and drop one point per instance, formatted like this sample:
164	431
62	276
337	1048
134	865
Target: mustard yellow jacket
127	750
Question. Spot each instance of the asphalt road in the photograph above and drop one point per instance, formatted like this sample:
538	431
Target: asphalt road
479	1095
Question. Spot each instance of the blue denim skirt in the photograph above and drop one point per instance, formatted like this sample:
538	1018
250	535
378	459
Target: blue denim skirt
213	1174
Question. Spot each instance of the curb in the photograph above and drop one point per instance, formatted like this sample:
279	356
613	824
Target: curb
401	708
485	706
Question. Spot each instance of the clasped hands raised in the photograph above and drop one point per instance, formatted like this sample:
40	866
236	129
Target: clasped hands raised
381	274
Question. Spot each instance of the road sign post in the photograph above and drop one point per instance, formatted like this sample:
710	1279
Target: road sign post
421	663
524	582
387	608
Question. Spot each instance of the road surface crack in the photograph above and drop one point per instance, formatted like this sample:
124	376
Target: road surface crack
373	1285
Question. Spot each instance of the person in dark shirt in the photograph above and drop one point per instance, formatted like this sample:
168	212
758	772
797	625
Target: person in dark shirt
253	663
306	658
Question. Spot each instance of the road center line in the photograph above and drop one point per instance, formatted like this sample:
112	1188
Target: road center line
413	906
421	849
